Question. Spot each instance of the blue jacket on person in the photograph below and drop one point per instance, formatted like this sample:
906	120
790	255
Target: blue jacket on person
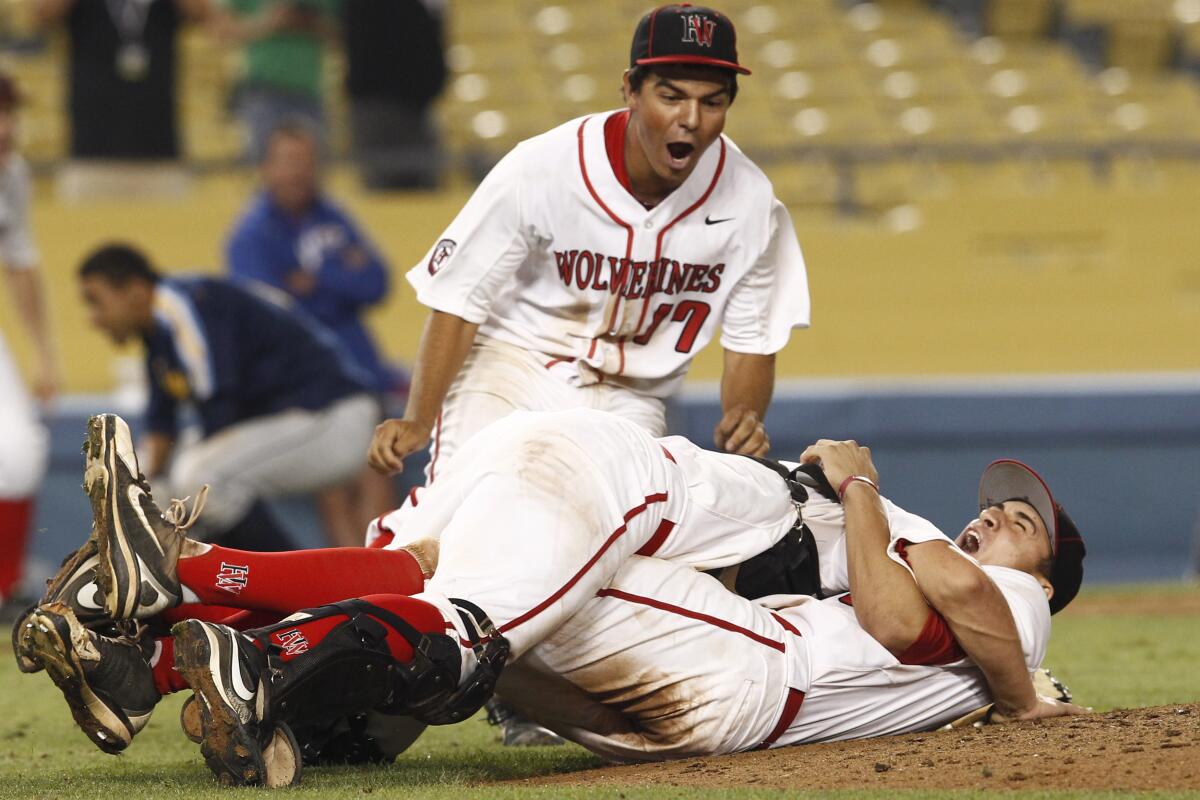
268	245
236	354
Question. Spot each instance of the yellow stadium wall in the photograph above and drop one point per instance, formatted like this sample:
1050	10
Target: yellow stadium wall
1001	275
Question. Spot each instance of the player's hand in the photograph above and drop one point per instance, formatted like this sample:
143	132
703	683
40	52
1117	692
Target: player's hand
741	431
300	283
394	441
1044	708
840	460
47	382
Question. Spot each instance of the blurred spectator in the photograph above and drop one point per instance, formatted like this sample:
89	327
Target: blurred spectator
23	440
283	43
281	409
121	90
294	238
395	69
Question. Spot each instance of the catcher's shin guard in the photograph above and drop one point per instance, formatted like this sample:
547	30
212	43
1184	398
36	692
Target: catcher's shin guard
436	701
351	670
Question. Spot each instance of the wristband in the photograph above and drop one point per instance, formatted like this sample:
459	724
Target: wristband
851	479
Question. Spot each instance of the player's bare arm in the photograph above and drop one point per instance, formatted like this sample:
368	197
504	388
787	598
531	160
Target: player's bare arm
442	351
982	624
25	286
747	382
887	601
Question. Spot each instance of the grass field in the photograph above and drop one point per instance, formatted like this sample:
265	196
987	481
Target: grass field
1112	647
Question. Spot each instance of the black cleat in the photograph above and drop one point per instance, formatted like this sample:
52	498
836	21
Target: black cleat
75	587
138	546
223	668
106	682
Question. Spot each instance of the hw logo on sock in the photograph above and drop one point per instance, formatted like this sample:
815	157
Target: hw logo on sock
232	578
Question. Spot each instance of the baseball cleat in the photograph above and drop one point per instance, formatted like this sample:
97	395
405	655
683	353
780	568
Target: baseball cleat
518	730
106	682
191	721
75	587
138	546
223	667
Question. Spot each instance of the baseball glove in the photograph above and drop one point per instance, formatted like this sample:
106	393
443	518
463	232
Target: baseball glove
1044	683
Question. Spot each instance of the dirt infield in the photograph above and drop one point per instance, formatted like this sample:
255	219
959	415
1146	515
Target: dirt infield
1145	748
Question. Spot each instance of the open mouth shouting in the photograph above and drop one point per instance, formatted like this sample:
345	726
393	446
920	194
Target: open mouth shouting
679	154
970	541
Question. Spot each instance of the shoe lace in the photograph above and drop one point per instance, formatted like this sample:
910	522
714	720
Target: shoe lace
178	514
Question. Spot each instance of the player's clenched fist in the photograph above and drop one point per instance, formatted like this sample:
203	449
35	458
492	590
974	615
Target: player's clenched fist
741	431
840	460
395	440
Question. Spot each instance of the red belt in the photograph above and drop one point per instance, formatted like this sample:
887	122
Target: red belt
790	709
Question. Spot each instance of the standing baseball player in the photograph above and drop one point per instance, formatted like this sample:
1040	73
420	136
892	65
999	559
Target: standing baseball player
597	259
23	440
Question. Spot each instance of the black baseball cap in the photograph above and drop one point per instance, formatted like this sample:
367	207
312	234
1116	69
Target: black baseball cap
1009	479
686	34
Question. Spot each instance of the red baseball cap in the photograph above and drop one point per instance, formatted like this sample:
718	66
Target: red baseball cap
1009	479
686	34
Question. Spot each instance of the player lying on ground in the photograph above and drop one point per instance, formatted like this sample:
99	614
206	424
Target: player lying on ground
626	491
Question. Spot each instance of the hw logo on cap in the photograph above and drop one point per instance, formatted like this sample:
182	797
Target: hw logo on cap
699	29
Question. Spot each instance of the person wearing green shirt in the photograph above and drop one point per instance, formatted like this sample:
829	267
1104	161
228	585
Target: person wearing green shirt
283	42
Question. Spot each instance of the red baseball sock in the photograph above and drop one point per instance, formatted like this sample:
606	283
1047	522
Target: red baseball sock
15	519
288	582
236	618
306	634
162	665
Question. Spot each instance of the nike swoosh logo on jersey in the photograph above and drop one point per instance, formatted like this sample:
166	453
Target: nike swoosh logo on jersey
711	221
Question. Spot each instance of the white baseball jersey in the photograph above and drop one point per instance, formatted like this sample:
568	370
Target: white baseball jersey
581	536
552	254
666	663
23	440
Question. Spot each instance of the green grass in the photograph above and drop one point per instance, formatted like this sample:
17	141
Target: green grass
1112	660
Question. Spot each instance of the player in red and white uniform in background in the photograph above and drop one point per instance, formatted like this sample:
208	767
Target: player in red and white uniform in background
23	441
597	259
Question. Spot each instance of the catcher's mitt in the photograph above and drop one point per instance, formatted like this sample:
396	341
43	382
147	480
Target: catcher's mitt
1044	683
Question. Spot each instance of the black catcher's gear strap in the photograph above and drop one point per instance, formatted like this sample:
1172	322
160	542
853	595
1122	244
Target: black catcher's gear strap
792	565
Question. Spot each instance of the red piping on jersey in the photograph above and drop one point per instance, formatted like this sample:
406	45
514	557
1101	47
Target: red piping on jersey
412	497
656	541
696	615
566	587
628	228
614	146
659	244
554	361
790	709
787	626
